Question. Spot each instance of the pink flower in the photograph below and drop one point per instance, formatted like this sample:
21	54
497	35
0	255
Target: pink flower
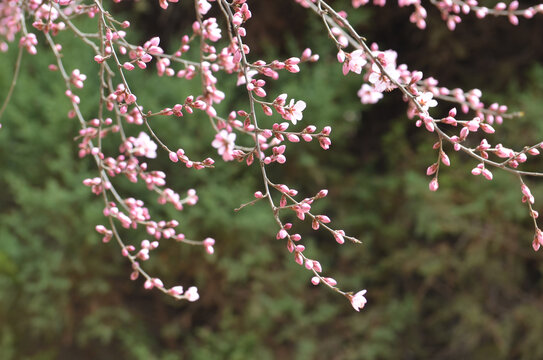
368	95
211	30
203	7
354	62
426	100
358	301
242	15
382	82
144	146
224	143
294	111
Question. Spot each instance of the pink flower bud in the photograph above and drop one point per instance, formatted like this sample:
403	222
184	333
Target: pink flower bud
539	236
434	185
128	66
321	194
487	174
296	237
173	157
513	20
157	282
192	294
464	133
176	290
535	244
290	246
299	248
148	285
298	258
293	138
323	218
340	56
487	129
338	235
131	98
416	76
431	169
209	242
445	159
282	234
99	59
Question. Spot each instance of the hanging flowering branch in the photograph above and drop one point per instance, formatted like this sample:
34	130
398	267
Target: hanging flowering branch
268	122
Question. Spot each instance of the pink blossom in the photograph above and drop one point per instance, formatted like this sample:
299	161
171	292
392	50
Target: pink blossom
426	100
354	62
368	95
294	111
144	146
358	301
224	143
381	81
242	15
211	30
203	7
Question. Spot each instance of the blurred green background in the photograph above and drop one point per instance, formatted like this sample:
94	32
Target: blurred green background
450	275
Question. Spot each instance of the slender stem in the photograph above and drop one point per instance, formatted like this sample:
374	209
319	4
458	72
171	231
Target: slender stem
13	81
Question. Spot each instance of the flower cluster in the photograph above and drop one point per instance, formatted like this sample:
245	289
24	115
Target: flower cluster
268	121
453	10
